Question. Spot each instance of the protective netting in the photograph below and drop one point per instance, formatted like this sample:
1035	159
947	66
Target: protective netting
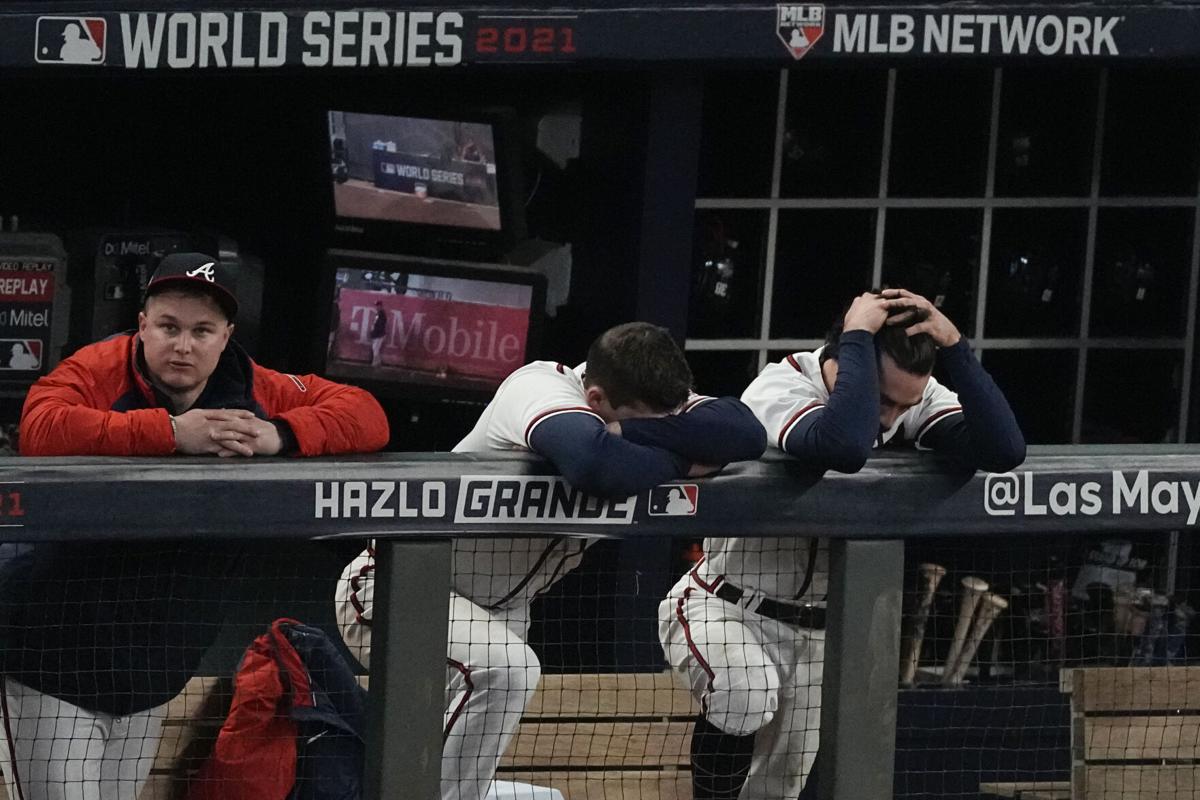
1068	663
999	636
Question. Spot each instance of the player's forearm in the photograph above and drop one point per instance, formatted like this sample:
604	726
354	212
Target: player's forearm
987	435
600	463
840	436
718	431
56	429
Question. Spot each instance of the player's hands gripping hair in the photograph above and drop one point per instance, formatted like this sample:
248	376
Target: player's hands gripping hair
918	315
868	312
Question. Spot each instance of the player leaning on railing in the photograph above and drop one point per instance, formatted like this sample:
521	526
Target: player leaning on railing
96	637
622	422
745	628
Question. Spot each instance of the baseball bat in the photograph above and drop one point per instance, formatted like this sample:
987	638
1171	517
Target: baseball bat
1144	654
931	575
1139	615
1056	620
1177	628
989	608
973	589
1122	608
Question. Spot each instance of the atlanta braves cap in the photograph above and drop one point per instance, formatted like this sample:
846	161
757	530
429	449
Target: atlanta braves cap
196	269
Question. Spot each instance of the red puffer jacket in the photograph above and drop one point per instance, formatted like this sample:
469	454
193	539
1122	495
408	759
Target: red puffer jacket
98	402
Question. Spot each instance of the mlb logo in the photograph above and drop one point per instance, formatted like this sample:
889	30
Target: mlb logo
799	27
674	501
20	355
71	40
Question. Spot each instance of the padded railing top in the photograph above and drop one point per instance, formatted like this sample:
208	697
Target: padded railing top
1078	489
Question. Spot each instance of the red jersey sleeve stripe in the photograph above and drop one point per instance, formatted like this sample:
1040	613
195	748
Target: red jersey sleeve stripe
533	423
945	412
791	359
787	428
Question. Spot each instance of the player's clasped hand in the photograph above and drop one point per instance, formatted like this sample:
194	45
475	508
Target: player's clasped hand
928	317
868	312
226	433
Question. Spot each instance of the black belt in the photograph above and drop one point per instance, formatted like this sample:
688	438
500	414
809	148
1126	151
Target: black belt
790	613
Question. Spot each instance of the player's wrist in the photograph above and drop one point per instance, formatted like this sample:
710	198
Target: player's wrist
174	433
287	437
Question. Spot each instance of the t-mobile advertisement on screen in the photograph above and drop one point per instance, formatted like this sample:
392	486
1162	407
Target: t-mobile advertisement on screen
407	169
432	330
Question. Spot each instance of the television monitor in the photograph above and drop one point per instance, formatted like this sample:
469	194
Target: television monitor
411	176
428	328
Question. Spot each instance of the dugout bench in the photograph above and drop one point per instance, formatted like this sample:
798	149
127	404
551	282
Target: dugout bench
911	495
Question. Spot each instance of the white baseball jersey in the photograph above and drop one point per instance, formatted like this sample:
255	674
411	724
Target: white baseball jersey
500	572
797	569
496	572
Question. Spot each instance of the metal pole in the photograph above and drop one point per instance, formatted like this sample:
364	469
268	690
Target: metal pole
408	669
862	654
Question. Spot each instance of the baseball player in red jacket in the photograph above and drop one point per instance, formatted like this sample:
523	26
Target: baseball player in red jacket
97	637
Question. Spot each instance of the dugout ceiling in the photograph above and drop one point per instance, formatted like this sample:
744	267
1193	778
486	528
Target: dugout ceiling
226	36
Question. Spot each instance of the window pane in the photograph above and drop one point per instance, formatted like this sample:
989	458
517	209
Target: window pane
727	264
1112	415
1151	132
720	372
940	132
831	148
1143	259
737	142
823	259
1035	269
1040	150
1040	387
935	253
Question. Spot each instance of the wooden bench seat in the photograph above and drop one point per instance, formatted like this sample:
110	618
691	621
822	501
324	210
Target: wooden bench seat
1027	790
590	736
612	736
1135	733
621	736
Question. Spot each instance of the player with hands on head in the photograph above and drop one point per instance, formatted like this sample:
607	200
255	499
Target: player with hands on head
745	628
98	637
620	423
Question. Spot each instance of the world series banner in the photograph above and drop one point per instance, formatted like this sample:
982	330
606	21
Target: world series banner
233	37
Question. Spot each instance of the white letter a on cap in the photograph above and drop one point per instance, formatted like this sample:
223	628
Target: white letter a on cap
206	270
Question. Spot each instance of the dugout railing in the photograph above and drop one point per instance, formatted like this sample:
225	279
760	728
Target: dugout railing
415	504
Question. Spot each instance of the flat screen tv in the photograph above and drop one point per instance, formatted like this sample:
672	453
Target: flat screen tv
397	177
428	328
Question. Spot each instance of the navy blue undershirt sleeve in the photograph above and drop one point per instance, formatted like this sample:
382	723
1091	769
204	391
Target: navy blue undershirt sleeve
986	435
601	463
714	432
840	435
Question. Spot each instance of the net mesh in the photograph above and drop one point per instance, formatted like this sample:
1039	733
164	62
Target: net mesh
1028	665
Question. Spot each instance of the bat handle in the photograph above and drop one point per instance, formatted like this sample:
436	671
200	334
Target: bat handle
973	589
931	576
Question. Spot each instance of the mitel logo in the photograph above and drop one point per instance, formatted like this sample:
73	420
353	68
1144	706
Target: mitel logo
799	27
528	500
1009	493
674	501
70	40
